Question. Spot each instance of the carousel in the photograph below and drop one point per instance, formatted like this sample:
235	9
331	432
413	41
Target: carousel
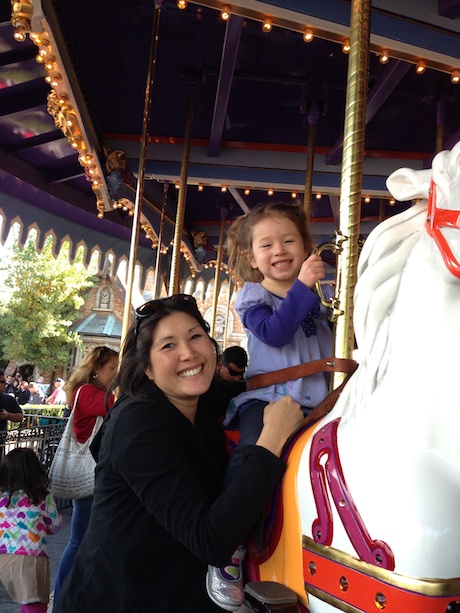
141	130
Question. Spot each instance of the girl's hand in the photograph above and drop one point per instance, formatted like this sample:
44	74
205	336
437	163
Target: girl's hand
312	270
282	418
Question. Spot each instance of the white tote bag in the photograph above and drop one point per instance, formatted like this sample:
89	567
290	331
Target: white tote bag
72	471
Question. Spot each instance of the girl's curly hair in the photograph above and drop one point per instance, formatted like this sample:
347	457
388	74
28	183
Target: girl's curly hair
239	237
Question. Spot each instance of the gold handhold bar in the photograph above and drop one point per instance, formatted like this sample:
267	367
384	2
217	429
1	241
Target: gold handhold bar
332	303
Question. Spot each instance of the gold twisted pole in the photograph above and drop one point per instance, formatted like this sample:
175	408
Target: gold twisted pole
352	171
141	173
175	280
220	248
227	311
311	139
156	288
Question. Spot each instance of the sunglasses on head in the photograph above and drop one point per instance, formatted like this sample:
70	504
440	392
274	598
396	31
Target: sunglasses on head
154	306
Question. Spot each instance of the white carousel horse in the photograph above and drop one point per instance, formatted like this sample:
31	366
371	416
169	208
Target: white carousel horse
376	484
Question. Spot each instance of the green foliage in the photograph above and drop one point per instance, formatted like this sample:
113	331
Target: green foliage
41	298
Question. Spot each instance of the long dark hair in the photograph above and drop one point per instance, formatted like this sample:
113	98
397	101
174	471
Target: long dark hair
21	470
135	354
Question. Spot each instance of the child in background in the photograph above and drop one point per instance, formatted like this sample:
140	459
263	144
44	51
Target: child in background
270	251
28	513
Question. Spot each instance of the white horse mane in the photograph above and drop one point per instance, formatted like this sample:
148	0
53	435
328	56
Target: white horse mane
380	274
380	269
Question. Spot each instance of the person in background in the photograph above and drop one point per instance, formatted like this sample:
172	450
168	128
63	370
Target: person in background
9	411
90	380
233	363
28	514
9	388
23	393
159	514
58	396
14	388
36	394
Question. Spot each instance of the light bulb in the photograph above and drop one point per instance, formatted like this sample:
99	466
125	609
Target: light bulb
455	76
267	24
226	12
308	35
420	67
346	45
181	4
384	57
247	191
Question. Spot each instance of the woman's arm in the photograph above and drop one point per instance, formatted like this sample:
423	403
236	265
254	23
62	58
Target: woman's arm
91	403
158	462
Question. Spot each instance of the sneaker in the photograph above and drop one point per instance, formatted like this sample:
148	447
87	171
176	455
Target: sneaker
225	585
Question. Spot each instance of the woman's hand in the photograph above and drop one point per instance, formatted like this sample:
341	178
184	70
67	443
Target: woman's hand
282	418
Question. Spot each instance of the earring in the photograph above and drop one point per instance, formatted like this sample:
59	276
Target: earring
95	375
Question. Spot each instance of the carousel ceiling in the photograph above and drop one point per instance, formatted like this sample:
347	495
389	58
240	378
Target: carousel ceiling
235	98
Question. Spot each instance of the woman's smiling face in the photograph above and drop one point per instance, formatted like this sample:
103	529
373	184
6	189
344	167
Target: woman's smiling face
182	360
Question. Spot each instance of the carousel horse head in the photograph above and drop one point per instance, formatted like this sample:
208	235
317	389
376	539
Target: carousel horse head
372	491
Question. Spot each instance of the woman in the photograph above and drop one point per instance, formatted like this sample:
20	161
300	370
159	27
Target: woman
86	391
159	516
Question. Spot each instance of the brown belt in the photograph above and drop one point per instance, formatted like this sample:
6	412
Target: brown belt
301	370
305	370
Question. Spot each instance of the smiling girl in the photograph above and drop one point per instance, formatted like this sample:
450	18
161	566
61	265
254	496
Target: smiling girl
270	252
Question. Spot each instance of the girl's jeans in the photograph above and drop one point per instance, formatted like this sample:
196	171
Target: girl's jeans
251	424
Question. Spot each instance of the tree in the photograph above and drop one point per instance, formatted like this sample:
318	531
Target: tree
41	300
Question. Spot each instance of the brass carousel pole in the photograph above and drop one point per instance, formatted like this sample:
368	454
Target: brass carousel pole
220	248
141	173
352	171
156	292
311	139
440	122
174	280
227	312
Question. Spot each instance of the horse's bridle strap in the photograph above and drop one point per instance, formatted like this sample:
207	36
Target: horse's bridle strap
301	370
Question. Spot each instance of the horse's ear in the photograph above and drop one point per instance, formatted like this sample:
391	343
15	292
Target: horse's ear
408	184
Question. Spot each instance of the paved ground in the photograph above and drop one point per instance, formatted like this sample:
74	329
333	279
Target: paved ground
56	545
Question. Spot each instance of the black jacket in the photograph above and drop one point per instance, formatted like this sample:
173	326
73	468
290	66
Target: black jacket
159	516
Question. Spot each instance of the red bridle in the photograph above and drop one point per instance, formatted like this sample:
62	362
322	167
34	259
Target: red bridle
442	218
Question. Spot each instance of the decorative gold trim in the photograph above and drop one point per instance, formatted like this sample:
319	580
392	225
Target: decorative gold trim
61	103
332	600
426	587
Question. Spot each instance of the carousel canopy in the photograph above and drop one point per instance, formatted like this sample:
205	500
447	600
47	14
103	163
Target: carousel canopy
233	102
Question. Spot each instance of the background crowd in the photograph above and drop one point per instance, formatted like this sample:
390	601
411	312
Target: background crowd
31	392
